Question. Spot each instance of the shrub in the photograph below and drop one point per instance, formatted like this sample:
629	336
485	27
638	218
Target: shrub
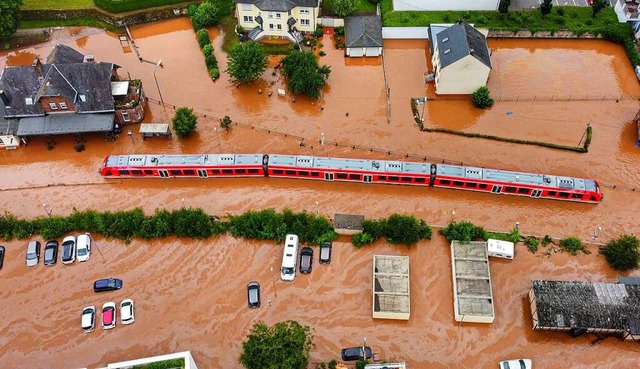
211	61
322	53
462	231
214	73
481	98
159	225
513	236
165	364
79	147
207	50
405	229
206	14
361	364
598	5
532	244
340	31
362	239
573	245
203	37
560	11
53	227
225	123
184	122
318	31
344	8
192	223
333	364
622	253
503	6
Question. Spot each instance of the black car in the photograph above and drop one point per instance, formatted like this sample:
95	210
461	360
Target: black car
107	284
325	253
253	294
356	353
51	253
306	260
1	256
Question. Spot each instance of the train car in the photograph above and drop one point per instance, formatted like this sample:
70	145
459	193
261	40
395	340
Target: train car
349	170
517	183
184	166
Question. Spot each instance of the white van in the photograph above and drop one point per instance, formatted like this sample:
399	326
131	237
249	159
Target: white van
289	258
500	249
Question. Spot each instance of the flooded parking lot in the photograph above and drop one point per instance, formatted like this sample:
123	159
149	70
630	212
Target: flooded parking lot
190	295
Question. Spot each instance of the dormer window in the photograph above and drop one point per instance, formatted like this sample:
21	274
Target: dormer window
53	106
83	97
445	39
63	106
447	51
28	101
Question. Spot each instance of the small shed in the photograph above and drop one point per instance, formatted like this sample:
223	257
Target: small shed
347	224
391	293
154	130
363	35
500	249
386	365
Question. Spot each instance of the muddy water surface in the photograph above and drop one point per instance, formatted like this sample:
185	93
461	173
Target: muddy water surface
42	305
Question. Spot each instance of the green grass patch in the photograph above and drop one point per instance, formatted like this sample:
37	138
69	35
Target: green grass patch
86	22
362	6
121	6
57	4
228	25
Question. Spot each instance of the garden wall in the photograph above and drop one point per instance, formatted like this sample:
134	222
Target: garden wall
404	33
421	33
332	22
145	16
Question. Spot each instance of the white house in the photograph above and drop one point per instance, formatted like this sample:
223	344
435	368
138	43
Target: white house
418	5
461	59
363	35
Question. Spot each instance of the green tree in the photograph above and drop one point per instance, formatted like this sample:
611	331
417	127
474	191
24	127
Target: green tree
503	6
545	7
462	231
206	14
285	345
622	253
597	6
481	98
406	229
247	61
342	8
184	121
304	73
225	123
9	17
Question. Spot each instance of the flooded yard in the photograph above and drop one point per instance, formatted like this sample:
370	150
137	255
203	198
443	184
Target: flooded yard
190	295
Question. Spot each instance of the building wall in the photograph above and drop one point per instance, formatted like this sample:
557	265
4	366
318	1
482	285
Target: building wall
364	51
405	33
59	102
462	77
417	5
247	14
135	114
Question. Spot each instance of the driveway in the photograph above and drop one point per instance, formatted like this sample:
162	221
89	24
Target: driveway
532	4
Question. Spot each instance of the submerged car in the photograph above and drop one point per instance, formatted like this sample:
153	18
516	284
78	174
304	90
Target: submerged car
68	250
33	253
253	295
1	256
126	312
50	252
107	284
325	253
89	318
83	246
306	260
356	353
516	364
109	315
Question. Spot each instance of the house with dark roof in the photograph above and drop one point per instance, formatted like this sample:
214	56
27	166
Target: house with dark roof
461	59
286	19
68	94
363	35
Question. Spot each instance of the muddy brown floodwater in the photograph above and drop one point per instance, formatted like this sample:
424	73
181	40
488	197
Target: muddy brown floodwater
190	295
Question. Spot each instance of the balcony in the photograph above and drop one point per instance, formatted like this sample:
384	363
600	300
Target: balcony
627	11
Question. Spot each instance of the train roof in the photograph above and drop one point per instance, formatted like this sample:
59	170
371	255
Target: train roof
383	166
544	180
168	160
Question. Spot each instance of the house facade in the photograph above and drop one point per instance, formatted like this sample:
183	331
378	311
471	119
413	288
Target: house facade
363	35
461	59
430	5
286	19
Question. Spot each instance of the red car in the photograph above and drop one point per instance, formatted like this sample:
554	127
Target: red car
109	315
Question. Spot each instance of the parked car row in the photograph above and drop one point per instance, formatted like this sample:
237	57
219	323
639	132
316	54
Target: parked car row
109	315
72	249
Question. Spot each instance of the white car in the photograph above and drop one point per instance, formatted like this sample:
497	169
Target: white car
83	247
109	315
68	250
515	364
126	312
88	318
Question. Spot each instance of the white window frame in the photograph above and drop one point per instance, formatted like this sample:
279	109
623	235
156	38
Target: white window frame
304	11
126	117
248	18
246	7
63	105
53	106
278	16
271	27
270	15
279	26
305	22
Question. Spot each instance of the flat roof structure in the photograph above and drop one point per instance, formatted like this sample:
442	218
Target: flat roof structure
348	224
473	300
386	365
189	363
581	307
391	297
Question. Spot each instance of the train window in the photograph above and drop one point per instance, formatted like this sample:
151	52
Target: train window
382	178
227	171
290	172
445	182
552	193
241	171
136	172
510	189
278	171
315	174
393	178
216	171
175	172
148	172
303	173
483	186
576	196
471	185
420	180
524	191
354	176
564	194
458	183
123	172
406	179
341	175
189	172
253	171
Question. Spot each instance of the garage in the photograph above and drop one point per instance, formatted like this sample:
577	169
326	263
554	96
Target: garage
363	36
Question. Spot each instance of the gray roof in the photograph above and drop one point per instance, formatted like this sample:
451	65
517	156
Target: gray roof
62	54
348	221
363	31
8	126
461	40
19	83
279	5
65	123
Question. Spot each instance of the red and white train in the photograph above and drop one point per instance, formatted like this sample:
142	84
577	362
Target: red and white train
354	170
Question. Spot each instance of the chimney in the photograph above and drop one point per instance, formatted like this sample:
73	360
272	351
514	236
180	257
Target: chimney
5	98
38	66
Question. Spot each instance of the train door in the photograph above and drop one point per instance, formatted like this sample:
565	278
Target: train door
202	173
496	189
328	176
536	193
163	173
367	178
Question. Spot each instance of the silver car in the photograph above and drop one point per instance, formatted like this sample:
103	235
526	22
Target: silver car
33	253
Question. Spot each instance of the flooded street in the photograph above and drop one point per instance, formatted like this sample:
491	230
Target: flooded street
190	295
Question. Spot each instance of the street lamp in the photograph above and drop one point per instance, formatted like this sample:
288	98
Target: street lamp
596	232
130	134
273	280
317	209
49	211
159	64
